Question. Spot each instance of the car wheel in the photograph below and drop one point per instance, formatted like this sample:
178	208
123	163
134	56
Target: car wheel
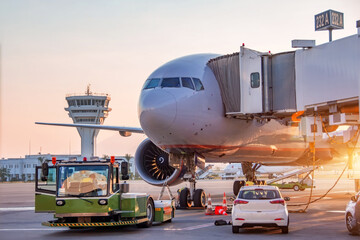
235	229
296	188
199	198
351	224
285	229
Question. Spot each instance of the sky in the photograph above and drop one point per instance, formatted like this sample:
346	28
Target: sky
50	48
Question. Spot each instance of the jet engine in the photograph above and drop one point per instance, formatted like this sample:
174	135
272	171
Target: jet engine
153	165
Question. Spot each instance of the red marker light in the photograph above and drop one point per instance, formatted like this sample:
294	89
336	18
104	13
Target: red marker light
84	159
112	159
280	201
53	160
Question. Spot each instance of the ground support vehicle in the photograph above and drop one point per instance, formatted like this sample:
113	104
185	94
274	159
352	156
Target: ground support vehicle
89	194
260	205
297	186
352	224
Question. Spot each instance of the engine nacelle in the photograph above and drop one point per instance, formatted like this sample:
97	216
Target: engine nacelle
153	166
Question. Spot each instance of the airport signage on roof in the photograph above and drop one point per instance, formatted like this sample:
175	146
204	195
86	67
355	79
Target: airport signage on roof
329	20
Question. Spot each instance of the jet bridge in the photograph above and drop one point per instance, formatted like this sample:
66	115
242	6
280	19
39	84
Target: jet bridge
322	78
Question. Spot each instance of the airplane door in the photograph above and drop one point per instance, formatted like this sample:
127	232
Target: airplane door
250	81
45	191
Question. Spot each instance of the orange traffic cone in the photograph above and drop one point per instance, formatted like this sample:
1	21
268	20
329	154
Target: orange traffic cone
209	208
224	203
220	211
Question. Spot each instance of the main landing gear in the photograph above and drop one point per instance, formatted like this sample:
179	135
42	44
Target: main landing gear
248	170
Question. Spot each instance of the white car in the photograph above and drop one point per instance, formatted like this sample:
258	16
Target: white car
351	223
260	205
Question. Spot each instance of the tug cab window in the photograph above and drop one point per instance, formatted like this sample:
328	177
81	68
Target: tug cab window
255	80
198	84
170	82
152	83
186	82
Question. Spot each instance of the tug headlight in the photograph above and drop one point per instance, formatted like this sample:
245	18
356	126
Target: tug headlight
102	202
60	203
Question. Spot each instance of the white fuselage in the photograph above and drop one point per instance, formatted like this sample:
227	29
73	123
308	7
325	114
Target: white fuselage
183	120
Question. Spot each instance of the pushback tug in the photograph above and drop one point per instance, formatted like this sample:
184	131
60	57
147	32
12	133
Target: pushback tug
90	194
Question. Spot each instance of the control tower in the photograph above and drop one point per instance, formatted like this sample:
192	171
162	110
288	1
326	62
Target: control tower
90	108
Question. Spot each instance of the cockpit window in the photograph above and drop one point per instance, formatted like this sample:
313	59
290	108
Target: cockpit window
186	82
198	84
170	82
152	83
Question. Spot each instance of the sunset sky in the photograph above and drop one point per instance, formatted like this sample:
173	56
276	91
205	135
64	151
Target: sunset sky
50	48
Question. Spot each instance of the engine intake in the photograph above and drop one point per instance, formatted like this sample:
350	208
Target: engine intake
153	166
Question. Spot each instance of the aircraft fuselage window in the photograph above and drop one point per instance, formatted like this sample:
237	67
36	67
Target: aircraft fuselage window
255	80
170	82
198	84
152	83
186	82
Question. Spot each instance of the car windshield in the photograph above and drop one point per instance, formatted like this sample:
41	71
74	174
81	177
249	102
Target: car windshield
77	181
258	194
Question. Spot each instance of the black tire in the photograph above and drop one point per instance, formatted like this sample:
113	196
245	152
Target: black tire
235	229
296	187
199	198
236	187
150	213
352	227
184	198
285	230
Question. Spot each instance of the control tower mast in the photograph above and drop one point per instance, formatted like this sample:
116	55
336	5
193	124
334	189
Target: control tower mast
90	108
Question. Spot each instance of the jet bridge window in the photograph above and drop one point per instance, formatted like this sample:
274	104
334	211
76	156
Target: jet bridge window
255	80
198	84
186	82
170	82
152	83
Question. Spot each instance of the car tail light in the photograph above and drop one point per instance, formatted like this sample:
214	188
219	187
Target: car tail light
236	202
278	219
279	201
241	219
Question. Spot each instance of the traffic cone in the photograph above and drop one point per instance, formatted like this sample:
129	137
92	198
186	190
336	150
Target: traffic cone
224	203
220	211
209	208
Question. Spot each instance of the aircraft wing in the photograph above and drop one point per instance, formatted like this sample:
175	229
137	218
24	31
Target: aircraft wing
122	130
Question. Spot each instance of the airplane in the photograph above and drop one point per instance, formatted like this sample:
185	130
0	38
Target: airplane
182	113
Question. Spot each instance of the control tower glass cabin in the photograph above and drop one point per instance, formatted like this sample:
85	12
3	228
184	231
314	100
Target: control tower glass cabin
88	109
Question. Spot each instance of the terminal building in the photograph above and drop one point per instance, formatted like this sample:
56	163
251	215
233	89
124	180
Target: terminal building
23	169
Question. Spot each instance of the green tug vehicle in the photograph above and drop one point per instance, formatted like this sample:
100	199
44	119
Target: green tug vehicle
90	194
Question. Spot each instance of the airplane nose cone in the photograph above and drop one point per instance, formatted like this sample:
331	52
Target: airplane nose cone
157	110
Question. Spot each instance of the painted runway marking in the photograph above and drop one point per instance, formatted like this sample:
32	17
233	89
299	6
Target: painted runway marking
31	229
17	209
336	211
183	229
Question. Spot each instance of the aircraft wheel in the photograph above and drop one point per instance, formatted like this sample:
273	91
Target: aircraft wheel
199	198
236	187
150	213
185	198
